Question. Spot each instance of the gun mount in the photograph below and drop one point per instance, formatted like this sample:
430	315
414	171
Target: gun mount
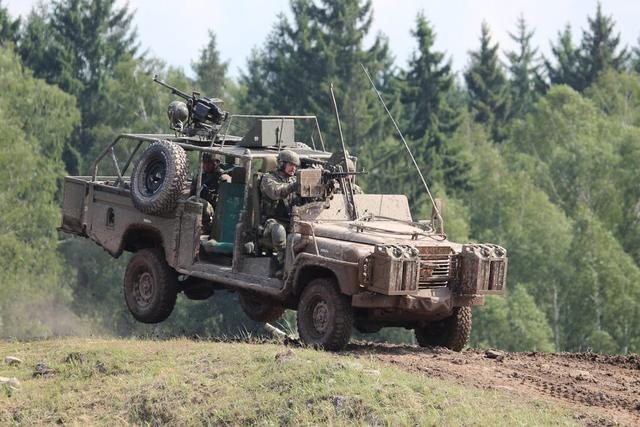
198	116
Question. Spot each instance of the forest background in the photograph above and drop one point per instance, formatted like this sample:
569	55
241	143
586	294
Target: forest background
538	154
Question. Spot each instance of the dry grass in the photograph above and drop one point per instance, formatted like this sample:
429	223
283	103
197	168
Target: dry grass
182	382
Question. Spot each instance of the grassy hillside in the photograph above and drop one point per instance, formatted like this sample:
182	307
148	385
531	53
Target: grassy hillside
106	381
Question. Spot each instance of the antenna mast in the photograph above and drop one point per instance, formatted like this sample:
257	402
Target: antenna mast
424	182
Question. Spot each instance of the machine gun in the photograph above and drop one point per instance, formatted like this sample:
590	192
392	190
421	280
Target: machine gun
318	183
198	116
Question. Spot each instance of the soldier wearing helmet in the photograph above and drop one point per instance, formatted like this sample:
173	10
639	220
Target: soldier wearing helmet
277	190
336	158
212	174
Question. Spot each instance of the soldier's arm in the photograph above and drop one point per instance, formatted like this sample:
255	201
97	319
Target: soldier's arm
276	190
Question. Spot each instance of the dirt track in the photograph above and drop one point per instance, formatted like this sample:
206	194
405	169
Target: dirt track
601	389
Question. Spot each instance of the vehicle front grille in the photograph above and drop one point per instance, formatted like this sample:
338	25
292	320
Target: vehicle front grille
437	270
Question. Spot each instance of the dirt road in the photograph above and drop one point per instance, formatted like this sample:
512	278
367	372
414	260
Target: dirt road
601	389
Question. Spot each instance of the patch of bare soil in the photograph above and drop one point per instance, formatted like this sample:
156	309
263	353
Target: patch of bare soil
601	389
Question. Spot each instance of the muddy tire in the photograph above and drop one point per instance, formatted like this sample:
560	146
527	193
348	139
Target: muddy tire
325	317
159	178
452	332
150	286
260	311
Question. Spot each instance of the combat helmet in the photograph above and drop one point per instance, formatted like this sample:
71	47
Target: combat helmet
178	113
288	156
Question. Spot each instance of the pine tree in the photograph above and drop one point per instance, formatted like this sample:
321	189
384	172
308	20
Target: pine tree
524	69
76	44
635	58
487	87
429	118
210	70
566	69
579	67
426	84
9	28
599	49
323	45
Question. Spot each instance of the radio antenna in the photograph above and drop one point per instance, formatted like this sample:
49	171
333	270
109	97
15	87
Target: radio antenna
413	159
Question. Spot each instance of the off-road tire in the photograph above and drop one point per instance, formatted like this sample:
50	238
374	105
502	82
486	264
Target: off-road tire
159	178
150	286
452	332
325	316
260	311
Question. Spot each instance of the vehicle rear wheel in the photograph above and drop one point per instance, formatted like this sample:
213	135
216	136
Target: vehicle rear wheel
260	311
158	178
325	317
452	332
150	286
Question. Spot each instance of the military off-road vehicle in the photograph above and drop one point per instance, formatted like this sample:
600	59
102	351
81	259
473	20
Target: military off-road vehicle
352	260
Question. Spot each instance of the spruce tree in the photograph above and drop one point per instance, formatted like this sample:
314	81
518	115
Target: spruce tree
210	70
524	69
9	28
429	117
490	102
322	45
76	45
599	49
566	68
635	58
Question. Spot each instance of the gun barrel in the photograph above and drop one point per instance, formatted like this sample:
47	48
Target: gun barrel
173	89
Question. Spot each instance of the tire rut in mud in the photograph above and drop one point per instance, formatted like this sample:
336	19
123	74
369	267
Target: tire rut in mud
604	388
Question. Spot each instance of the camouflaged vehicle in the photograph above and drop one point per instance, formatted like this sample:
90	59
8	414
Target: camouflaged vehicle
351	260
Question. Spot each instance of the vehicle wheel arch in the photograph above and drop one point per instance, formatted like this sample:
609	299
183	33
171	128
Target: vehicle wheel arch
305	273
138	237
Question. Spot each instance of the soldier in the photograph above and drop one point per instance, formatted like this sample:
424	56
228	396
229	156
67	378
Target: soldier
351	167
277	190
212	173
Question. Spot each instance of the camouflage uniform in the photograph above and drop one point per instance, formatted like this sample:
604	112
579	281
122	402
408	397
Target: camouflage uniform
277	198
210	197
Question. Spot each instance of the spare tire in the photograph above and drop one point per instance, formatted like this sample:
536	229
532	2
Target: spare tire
158	178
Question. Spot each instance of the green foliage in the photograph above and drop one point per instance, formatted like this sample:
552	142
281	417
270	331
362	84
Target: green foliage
429	118
526	81
35	119
9	28
489	99
512	323
566	69
599	48
292	73
76	44
579	67
211	72
560	192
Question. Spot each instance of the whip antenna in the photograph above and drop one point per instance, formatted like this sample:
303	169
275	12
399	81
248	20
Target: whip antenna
413	159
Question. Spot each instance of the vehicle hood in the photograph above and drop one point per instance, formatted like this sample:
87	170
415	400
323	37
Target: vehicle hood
380	232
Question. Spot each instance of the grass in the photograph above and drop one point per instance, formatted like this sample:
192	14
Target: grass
119	382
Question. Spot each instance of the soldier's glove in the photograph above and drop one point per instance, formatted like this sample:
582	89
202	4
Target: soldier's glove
292	187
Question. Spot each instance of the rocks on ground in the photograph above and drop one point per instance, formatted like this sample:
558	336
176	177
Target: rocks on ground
12	361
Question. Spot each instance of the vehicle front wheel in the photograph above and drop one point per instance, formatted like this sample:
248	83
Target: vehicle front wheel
260	311
325	317
150	286
452	332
